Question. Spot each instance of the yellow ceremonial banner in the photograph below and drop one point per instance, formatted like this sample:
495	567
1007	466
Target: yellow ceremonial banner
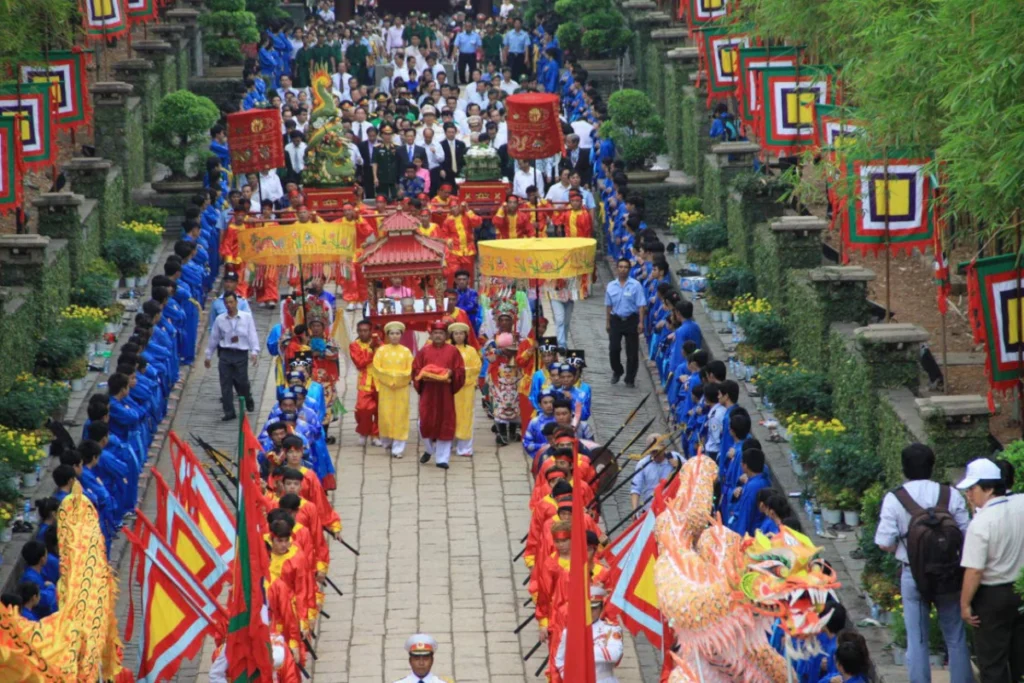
282	245
549	258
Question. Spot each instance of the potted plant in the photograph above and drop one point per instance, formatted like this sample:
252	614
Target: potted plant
58	351
140	213
703	238
849	503
898	632
638	133
764	341
22	451
228	27
149	235
179	134
30	401
728	280
794	389
85	321
112	322
127	255
828	500
805	433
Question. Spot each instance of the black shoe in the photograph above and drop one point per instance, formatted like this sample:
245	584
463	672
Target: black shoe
425	458
616	378
250	405
630	385
229	418
443	465
331	440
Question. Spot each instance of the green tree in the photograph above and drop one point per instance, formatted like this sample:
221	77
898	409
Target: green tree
179	131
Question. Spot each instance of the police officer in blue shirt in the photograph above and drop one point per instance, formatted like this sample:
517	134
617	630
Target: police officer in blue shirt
517	42
229	284
625	306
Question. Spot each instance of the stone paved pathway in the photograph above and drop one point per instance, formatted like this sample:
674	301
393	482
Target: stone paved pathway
436	549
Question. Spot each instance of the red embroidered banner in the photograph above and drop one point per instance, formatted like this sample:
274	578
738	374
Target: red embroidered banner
534	130
255	140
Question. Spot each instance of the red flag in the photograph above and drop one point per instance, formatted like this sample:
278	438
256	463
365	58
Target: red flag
248	642
256	141
579	638
534	129
177	611
194	489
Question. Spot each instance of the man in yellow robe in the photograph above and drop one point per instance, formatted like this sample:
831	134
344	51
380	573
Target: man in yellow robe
465	399
392	373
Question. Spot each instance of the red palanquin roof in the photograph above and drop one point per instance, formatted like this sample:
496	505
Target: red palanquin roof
402	251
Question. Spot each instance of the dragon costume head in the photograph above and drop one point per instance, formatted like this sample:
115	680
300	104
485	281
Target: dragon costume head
785	577
328	160
719	591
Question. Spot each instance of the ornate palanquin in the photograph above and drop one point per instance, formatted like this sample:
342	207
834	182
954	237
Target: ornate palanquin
403	252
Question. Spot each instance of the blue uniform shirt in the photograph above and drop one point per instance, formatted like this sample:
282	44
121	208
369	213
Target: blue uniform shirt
624	300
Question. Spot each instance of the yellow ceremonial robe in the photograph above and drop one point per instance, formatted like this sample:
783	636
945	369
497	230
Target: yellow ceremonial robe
465	398
392	372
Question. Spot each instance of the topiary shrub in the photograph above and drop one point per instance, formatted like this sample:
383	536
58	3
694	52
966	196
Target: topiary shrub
635	128
129	256
606	42
228	26
179	131
569	36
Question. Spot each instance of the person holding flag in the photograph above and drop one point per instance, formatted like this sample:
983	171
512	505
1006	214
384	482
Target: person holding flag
607	640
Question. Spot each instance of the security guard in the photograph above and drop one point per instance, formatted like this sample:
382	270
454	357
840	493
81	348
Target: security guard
421	648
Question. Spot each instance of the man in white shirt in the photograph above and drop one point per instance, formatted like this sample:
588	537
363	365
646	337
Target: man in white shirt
359	124
285	88
524	177
235	340
394	39
508	84
607	635
421	648
435	156
993	557
477	94
559	192
918	461
583	128
429	115
295	156
270	186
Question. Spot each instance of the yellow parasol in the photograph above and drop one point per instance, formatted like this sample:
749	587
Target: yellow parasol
283	245
535	258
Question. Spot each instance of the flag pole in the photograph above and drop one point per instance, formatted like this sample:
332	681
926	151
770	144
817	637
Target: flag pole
888	255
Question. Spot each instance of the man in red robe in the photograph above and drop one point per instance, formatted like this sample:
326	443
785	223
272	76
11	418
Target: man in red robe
361	351
438	372
512	222
354	288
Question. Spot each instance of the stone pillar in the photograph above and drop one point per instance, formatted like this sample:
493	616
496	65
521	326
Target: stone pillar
892	353
119	134
159	52
61	217
696	125
682	61
649	77
957	429
174	35
189	18
743	213
815	300
725	161
99	179
22	259
662	41
790	243
145	82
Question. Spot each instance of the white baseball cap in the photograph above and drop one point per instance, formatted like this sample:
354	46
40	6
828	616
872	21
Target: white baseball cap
979	470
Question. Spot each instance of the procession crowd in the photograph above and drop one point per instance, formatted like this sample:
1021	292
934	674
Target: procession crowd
409	131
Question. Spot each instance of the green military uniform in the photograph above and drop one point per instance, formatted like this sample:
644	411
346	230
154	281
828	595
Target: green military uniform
304	59
492	48
356	55
385	158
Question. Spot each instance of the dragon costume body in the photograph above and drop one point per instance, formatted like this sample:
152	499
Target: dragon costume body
720	592
328	159
79	642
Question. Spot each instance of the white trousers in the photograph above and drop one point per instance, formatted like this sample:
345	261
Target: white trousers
464	446
396	447
441	450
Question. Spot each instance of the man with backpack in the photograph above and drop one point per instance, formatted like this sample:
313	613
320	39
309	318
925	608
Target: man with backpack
923	523
724	127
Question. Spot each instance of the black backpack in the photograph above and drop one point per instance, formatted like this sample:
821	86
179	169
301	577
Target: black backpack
934	543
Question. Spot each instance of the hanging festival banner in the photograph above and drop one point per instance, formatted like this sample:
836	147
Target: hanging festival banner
104	19
534	129
256	140
700	12
885	201
141	11
537	258
748	59
788	95
995	291
836	127
10	165
65	71
282	245
716	52
31	104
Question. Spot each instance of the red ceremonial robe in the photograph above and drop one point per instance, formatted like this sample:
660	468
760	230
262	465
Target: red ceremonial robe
437	399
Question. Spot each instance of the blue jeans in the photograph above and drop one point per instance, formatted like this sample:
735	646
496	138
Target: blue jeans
915	615
562	312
